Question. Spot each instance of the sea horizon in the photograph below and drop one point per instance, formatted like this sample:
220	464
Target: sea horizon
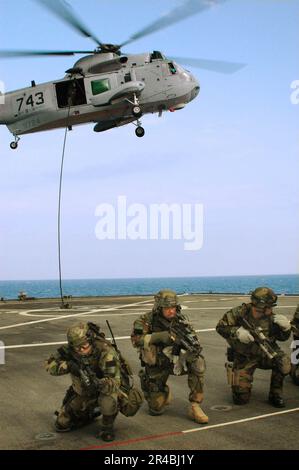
90	287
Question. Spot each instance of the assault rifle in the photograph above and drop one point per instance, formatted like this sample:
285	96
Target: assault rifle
79	366
260	339
183	335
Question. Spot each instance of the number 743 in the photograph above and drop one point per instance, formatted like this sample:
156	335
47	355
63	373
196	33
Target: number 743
32	101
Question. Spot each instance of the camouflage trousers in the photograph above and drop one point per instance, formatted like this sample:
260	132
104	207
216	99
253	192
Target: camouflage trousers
244	368
78	410
154	383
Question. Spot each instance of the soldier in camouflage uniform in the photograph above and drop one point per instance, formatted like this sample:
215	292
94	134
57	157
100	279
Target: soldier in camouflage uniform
247	354
295	356
154	343
96	373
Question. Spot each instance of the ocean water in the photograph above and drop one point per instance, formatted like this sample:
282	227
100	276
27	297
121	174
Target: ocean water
281	284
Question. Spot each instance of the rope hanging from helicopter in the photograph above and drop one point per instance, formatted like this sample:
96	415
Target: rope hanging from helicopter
71	103
63	305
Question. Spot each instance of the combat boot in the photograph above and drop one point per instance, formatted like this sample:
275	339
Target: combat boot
60	428
107	433
276	400
197	414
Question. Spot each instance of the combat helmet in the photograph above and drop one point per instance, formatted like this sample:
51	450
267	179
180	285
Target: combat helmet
263	297
79	334
166	298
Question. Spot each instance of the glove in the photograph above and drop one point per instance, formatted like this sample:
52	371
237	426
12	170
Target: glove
244	336
107	386
282	322
161	337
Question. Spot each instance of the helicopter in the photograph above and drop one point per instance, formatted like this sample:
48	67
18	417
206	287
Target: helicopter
107	87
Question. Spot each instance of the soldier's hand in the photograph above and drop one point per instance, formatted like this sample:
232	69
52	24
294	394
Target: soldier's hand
282	322
161	337
244	336
107	386
73	368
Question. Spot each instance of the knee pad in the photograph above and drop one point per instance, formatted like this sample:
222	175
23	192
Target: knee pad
198	366
108	405
284	365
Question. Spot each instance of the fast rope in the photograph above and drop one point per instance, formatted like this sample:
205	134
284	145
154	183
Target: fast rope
63	304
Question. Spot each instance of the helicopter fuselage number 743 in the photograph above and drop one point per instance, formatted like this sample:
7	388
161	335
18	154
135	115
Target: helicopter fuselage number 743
32	100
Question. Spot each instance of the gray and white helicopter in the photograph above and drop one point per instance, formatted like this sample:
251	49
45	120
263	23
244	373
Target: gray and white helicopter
106	87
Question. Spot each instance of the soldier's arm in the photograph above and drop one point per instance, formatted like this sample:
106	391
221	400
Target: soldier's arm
280	334
229	323
141	328
110	366
57	365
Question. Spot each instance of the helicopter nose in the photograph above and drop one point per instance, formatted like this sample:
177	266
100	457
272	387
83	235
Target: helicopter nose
195	92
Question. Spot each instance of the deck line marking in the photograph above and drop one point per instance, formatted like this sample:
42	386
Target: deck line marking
245	420
89	313
131	441
71	315
34	345
187	431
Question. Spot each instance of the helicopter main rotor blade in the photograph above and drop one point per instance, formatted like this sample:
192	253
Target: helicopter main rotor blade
220	66
64	11
22	53
188	8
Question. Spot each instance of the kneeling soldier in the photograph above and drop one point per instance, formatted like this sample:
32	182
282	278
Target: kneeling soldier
99	381
167	344
252	330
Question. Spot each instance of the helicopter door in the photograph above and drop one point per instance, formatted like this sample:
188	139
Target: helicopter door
70	93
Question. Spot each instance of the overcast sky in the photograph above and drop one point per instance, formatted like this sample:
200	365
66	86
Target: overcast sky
235	149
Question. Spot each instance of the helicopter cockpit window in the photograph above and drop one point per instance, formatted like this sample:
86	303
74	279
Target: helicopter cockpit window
70	93
157	55
172	68
100	86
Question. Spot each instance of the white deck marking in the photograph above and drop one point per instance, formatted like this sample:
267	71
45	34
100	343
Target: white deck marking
91	312
32	345
239	421
72	315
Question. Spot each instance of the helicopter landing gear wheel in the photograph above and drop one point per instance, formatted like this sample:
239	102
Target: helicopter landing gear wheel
139	131
136	111
13	145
